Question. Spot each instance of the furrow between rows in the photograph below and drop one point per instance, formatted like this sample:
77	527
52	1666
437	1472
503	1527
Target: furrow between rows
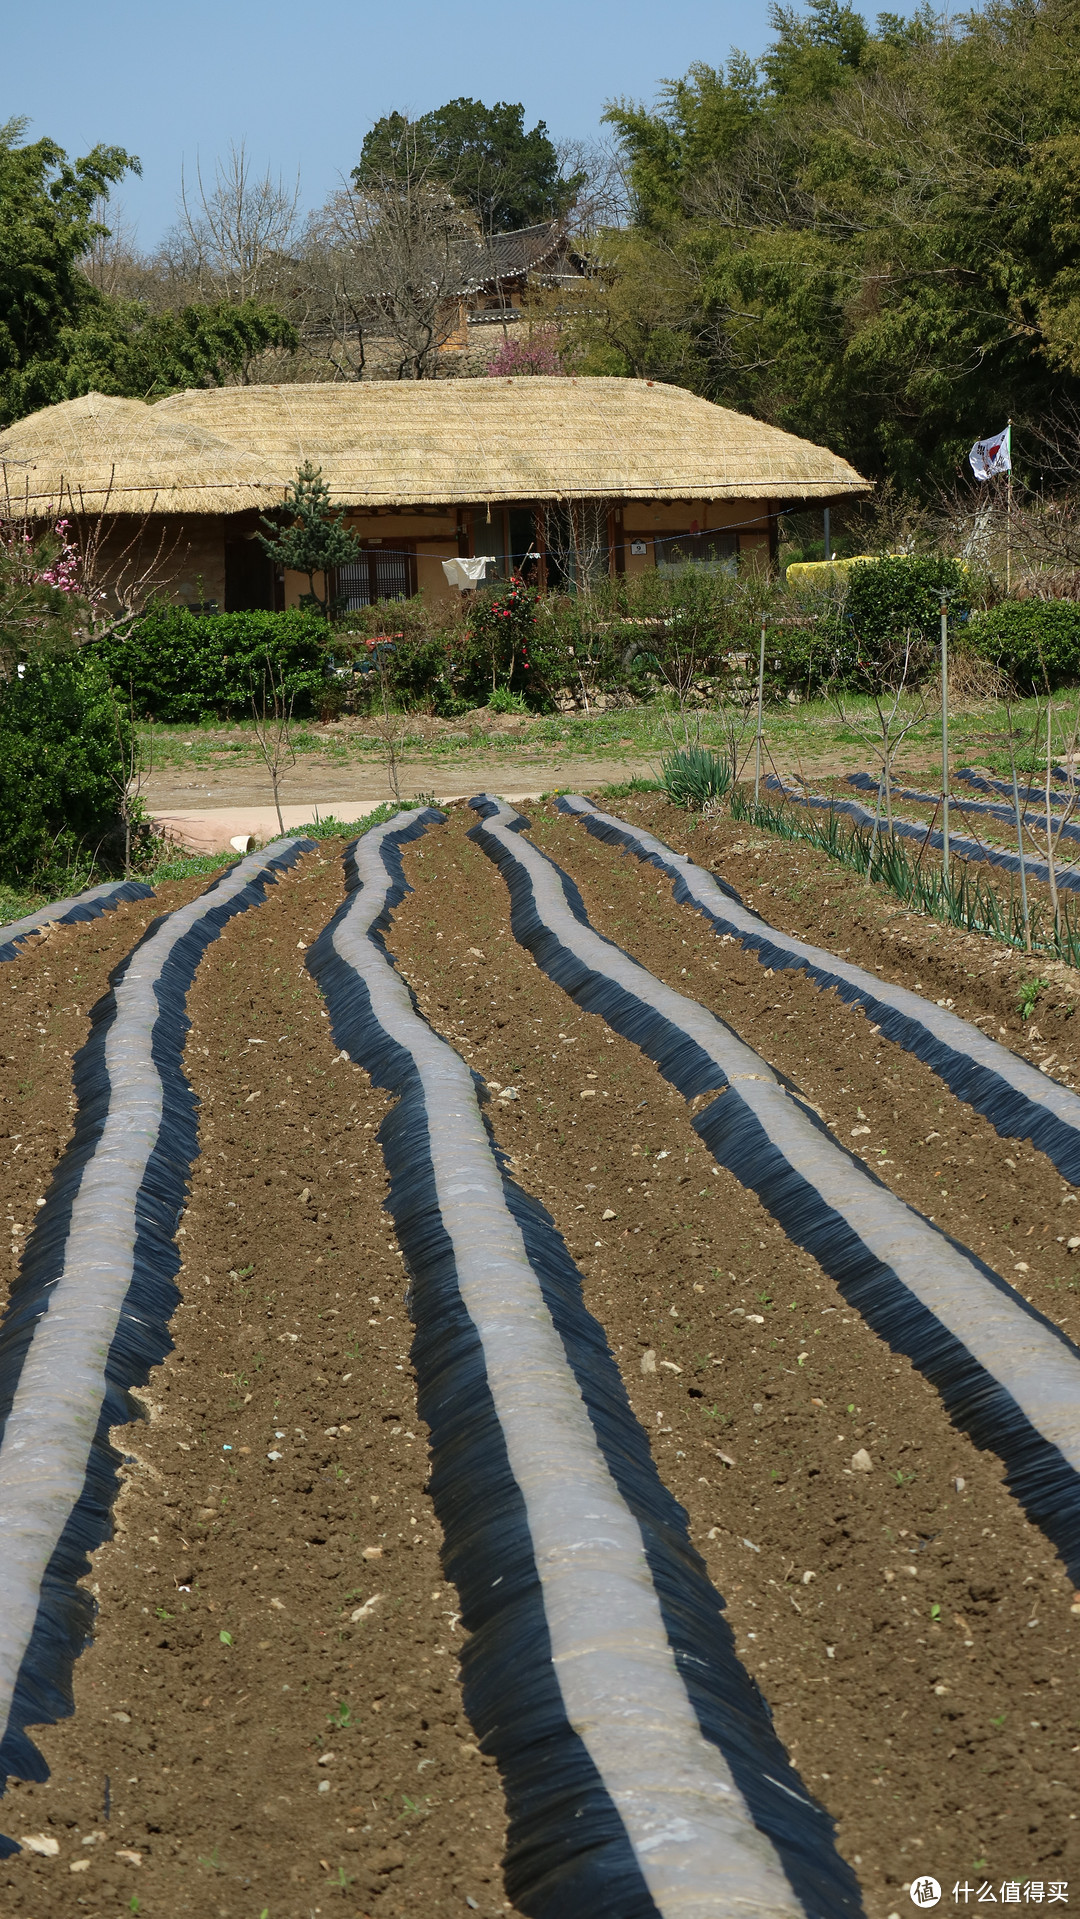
641	1774
89	1316
884	1610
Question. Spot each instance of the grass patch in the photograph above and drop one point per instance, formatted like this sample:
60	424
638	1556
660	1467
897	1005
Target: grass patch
15	904
627	787
809	731
330	828
186	866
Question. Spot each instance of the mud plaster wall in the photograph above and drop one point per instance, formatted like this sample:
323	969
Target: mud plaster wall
642	519
176	555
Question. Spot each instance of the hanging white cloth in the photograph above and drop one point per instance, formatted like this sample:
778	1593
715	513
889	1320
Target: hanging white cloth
465	574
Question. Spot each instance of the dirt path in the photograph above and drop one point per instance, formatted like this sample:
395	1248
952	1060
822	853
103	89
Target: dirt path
903	1675
272	1695
331	783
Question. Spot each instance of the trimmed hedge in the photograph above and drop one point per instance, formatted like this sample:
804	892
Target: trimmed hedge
1036	642
899	596
63	742
892	605
181	667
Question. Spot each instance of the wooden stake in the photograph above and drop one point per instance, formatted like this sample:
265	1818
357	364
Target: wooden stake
945	737
760	708
1020	846
1008	518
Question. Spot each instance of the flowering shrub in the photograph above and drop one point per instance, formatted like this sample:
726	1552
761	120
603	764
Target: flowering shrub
43	608
64	569
539	352
497	641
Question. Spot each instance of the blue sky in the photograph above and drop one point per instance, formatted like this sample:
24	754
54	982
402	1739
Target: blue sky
302	84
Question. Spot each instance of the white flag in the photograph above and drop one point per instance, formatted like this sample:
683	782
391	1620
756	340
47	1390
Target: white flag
992	456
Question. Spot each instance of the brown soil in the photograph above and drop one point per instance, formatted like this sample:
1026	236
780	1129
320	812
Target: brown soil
1006	1201
912	1636
47	994
229	1679
925	1678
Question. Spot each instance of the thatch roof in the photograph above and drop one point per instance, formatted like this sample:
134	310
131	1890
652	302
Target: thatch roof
411	443
404	443
98	454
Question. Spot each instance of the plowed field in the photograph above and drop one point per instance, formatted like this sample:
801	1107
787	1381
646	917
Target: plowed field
269	1718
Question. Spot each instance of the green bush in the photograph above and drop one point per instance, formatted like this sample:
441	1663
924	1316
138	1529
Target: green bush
63	747
887	627
808	657
501	700
893	598
416	669
182	667
1036	642
444	659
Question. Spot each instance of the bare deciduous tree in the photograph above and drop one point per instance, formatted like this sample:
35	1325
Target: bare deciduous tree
112	259
272	712
395	258
241	226
603	200
901	699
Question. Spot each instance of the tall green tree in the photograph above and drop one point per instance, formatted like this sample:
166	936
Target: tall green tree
508	177
119	347
59	336
869	236
47	226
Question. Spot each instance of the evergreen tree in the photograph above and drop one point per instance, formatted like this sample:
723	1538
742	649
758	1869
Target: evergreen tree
316	540
509	178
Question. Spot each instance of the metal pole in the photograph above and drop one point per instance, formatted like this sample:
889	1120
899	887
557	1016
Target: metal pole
828	537
760	709
1008	520
1020	852
945	735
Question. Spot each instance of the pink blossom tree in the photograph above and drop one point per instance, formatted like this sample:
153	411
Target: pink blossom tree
539	352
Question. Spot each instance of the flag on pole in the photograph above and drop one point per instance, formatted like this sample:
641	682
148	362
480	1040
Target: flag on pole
992	456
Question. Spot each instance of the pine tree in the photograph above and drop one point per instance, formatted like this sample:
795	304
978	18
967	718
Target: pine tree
316	541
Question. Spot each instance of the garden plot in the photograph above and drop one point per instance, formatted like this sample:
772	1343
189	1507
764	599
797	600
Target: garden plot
658	1274
289	1733
270	1626
46	996
967	840
974	814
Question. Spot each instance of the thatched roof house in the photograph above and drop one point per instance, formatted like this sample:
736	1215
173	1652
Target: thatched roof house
560	474
102	455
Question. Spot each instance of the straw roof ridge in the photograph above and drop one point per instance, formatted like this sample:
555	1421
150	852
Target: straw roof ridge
407	443
101	453
401	443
